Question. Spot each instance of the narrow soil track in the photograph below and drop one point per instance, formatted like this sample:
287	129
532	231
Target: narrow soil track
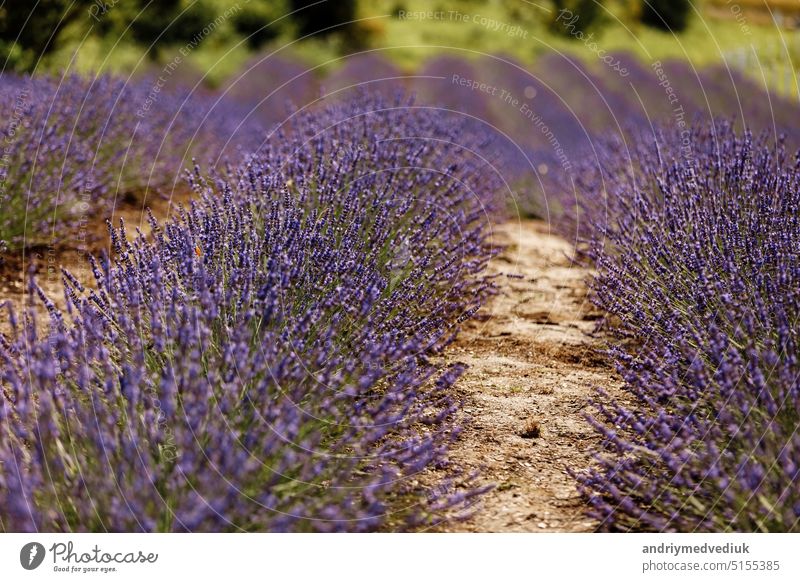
533	361
49	260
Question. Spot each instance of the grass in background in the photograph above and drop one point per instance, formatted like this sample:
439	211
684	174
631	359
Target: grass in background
467	27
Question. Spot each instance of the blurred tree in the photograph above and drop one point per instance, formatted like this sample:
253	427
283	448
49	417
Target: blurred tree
573	16
28	29
672	15
157	23
256	21
323	18
169	21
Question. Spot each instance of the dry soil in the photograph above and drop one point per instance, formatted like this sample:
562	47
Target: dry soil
533	359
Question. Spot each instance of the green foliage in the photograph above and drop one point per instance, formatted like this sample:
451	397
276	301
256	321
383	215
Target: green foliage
28	29
256	21
671	15
323	18
169	21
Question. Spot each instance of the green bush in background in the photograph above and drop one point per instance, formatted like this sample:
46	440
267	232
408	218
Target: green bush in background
27	35
323	18
262	22
672	15
142	36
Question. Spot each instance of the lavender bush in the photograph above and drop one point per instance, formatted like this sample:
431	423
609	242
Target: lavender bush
70	142
697	253
260	363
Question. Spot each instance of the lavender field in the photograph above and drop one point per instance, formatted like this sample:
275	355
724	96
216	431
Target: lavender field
472	292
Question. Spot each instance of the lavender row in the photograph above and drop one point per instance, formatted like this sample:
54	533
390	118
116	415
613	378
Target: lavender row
261	362
545	115
696	242
72	145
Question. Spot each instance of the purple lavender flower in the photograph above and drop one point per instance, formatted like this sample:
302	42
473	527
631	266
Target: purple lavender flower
696	248
71	146
262	362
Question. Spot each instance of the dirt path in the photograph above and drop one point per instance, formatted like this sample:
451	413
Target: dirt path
532	363
49	260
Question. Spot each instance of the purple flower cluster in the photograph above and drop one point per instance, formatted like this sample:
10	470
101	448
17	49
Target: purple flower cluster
696	242
260	362
68	143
